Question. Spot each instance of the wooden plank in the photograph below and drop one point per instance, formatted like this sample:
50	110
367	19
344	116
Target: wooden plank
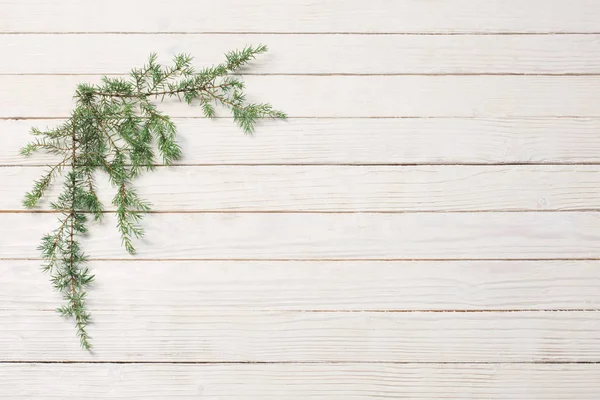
301	381
344	188
351	96
364	141
406	16
202	286
309	54
167	334
490	235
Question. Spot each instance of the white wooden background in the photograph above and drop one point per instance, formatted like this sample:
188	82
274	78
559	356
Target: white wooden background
426	225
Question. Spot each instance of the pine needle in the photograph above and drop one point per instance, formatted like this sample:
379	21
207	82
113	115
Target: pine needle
117	127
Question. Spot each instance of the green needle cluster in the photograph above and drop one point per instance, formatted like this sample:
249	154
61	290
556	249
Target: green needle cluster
116	127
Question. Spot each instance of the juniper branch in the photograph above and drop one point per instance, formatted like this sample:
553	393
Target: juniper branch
117	127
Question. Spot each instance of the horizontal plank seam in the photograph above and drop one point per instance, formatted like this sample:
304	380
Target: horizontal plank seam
365	311
358	33
508	261
468	117
593	74
291	117
300	362
241	211
350	259
350	164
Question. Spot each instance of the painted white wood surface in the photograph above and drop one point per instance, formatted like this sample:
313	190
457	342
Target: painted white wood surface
363	141
351	96
173	335
302	381
312	236
251	286
125	286
310	54
306	16
343	188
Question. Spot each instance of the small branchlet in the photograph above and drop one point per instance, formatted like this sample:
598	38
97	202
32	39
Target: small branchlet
116	127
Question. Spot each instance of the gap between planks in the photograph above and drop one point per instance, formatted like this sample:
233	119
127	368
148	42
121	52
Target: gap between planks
483	211
341	74
318	259
583	117
390	311
525	116
309	164
117	362
463	33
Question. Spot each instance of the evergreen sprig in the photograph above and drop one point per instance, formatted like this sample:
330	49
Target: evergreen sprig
116	127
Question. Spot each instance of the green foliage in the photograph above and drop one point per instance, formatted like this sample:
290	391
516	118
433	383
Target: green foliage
116	127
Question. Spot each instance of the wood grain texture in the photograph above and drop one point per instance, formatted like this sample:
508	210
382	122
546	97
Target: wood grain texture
343	188
363	141
130	286
302	381
493	235
309	54
405	16
210	309
169	334
352	96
